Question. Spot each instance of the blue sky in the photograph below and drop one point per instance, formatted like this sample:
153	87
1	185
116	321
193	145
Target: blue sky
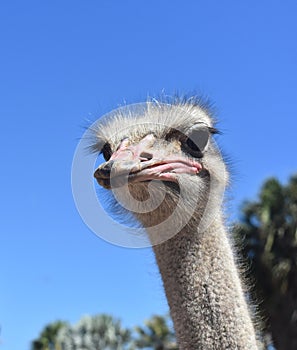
64	63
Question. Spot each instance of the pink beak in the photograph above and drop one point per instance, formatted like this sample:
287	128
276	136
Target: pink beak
142	162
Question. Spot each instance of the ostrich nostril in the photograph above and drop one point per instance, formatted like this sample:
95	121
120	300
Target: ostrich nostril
146	156
104	170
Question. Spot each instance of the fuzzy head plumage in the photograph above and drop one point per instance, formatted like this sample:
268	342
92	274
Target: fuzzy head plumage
161	163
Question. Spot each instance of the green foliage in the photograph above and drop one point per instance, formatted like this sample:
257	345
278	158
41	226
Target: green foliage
103	332
269	229
157	334
48	337
100	332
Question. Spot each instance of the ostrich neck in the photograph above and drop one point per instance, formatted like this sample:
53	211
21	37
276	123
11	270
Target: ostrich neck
204	291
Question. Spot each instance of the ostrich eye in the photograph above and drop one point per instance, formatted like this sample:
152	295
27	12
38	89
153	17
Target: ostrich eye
106	151
196	142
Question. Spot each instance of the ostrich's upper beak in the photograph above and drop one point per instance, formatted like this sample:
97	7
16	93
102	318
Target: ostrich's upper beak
142	162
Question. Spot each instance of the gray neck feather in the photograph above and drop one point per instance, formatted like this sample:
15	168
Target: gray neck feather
204	290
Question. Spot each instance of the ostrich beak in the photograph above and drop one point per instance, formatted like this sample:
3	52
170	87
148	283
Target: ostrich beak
143	162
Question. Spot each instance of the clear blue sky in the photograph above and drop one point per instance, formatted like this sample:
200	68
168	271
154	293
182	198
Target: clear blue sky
65	62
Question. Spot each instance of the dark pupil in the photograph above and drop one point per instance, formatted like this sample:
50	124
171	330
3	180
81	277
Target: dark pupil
192	145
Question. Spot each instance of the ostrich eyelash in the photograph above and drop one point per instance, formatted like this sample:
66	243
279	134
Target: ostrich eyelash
214	131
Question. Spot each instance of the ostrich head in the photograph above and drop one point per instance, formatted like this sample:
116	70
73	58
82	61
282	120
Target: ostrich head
162	164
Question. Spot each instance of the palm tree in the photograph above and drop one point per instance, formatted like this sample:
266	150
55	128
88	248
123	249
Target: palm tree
48	337
100	332
269	228
156	334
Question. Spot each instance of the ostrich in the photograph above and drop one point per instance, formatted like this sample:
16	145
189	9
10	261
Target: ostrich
166	170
